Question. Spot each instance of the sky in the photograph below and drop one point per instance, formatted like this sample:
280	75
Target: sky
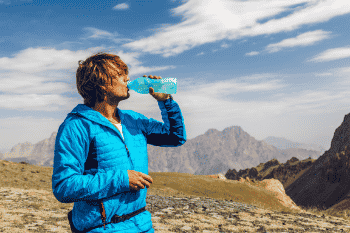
273	67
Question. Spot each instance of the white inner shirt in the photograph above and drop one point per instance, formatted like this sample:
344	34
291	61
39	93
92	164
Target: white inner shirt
119	127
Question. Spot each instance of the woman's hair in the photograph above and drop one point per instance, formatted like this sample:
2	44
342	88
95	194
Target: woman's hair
95	72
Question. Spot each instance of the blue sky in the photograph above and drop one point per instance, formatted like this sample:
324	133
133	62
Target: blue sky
275	68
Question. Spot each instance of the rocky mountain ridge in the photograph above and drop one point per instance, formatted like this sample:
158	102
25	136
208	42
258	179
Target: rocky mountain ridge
286	173
40	153
327	181
211	153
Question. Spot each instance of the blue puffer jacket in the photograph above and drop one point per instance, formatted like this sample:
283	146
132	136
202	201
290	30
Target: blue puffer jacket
91	162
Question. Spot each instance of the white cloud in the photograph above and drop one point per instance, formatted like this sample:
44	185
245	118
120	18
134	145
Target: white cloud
323	74
343	73
315	11
148	70
253	53
37	102
21	83
34	60
255	77
305	39
280	102
332	54
17	82
7	2
202	53
309	99
131	59
344	70
224	45
208	21
121	6
37	78
220	89
336	78
96	33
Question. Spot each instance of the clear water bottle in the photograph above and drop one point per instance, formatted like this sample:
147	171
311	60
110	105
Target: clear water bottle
165	85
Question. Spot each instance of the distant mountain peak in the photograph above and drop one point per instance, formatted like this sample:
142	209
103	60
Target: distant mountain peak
209	131
53	135
234	131
283	144
233	128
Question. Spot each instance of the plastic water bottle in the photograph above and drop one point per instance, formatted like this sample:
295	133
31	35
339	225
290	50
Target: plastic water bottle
165	85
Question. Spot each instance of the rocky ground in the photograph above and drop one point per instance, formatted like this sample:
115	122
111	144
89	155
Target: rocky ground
38	211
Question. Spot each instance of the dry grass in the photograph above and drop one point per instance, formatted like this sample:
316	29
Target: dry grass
25	176
183	184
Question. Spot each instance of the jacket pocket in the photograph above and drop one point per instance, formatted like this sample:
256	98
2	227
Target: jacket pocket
123	203
86	215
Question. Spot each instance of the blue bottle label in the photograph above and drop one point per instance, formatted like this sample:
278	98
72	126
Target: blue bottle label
142	85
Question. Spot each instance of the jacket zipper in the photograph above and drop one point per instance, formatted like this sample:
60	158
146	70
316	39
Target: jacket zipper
127	150
102	208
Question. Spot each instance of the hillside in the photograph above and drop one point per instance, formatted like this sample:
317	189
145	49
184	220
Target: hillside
31	177
28	203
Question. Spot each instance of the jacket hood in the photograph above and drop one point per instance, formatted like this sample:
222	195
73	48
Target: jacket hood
89	113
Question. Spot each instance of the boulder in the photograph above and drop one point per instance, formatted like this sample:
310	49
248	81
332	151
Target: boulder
219	176
269	164
276	188
231	174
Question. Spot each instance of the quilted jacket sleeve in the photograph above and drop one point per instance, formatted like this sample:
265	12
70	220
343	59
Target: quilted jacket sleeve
172	132
69	184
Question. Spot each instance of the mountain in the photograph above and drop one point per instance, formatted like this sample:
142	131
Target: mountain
3	150
19	150
217	152
327	181
282	143
211	153
41	153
